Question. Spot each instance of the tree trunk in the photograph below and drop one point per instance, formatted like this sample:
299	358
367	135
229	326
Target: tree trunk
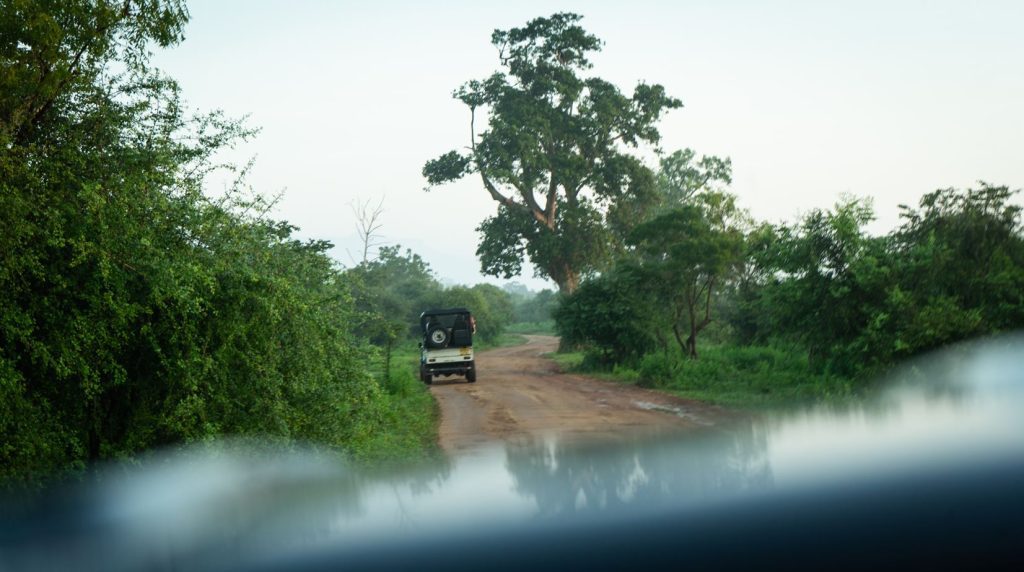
683	346
662	341
691	341
93	437
570	284
691	344
697	326
567	278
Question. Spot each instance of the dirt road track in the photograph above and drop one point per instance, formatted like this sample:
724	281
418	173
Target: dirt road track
520	394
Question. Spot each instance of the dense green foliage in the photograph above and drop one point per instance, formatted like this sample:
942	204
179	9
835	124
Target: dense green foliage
953	270
134	311
553	133
491	306
853	303
612	314
685	244
684	256
392	291
734	375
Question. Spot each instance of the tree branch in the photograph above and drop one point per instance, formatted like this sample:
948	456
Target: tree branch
496	195
552	203
707	305
368	224
491	189
533	205
72	71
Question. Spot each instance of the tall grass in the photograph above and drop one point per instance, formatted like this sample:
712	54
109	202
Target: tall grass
750	377
411	418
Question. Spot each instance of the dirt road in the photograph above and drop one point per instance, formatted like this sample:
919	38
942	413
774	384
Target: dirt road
520	394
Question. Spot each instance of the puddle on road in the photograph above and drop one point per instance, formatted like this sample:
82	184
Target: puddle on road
677	411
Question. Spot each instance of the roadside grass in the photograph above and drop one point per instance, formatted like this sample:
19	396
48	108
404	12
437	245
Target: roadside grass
409	422
742	377
410	418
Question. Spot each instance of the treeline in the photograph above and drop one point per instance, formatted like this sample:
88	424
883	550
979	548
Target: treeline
953	270
652	264
531	308
697	271
393	289
135	312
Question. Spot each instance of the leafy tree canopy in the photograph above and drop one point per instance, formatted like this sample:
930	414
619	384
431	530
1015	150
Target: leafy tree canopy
134	311
554	153
613	314
953	270
685	255
681	177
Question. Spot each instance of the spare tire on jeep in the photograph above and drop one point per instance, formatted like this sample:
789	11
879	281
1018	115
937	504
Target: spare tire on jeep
437	337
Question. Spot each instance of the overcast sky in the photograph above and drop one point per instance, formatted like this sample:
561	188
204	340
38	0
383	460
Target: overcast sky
809	99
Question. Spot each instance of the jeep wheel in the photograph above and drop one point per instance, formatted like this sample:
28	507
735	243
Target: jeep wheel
425	376
471	376
437	337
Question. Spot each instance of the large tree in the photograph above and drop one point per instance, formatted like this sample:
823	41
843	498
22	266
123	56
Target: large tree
685	255
555	152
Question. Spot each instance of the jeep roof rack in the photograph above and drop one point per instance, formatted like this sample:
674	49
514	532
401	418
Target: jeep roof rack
440	311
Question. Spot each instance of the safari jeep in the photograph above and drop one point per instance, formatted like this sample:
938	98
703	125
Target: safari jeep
447	347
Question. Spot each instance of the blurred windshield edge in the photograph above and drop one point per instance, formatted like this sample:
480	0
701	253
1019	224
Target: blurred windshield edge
925	476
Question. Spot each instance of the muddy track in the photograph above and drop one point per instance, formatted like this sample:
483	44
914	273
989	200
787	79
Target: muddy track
521	394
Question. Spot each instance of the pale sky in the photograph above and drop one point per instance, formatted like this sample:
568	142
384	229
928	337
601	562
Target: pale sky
810	100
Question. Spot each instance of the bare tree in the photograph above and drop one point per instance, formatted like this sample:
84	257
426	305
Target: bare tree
368	223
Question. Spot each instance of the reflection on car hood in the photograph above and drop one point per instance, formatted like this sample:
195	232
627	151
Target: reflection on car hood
929	472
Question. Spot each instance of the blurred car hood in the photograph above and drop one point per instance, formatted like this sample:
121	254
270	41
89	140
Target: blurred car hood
930	474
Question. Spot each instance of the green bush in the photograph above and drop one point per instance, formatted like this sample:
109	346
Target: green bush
657	369
609	315
953	270
731	375
134	311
